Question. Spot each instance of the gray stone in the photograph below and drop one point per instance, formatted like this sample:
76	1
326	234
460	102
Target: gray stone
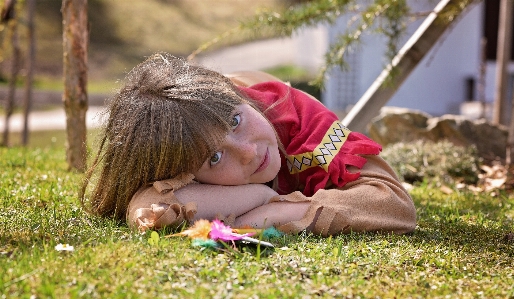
404	125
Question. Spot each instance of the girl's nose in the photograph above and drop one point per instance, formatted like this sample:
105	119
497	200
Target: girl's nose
246	151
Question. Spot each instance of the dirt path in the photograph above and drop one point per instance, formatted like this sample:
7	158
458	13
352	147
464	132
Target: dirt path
54	119
47	111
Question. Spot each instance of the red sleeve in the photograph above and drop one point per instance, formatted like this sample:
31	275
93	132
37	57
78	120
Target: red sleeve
304	125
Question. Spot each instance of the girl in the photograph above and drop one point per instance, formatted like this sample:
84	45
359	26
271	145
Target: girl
182	142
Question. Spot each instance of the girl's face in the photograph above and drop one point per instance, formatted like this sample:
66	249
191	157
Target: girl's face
248	155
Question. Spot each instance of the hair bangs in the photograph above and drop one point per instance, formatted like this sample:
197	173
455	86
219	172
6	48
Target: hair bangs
204	127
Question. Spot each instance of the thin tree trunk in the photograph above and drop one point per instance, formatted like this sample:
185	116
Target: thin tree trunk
9	106
75	45
501	112
27	104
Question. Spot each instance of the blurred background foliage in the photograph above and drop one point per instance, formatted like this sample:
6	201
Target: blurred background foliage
122	32
438	162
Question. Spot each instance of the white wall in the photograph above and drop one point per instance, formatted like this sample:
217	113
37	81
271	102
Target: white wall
437	84
304	49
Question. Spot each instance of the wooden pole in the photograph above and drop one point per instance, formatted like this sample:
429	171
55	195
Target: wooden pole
510	137
481	77
500	111
378	94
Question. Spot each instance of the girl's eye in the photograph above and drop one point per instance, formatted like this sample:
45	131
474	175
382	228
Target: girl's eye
215	159
236	120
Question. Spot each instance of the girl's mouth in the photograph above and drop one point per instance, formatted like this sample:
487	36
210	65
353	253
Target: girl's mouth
264	163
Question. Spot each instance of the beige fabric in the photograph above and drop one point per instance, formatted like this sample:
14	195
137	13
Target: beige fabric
155	206
375	202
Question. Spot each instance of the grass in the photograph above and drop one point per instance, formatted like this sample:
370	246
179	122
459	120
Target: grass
463	247
44	139
56	84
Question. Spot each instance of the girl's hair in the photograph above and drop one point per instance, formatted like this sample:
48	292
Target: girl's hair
168	118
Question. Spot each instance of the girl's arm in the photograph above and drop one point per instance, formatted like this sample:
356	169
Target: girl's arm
225	200
171	203
374	202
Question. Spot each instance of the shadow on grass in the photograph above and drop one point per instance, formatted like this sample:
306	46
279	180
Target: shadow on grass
466	223
467	220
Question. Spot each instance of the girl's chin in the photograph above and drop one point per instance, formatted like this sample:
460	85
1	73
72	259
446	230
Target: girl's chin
269	177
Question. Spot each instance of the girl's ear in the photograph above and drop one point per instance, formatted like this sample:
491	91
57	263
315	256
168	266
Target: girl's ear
249	78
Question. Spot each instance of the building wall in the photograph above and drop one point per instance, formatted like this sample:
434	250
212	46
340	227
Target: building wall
437	85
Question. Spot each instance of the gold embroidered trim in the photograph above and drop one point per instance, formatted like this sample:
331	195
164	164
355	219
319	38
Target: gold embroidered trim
324	153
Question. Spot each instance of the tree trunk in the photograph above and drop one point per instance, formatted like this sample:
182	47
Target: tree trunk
75	45
27	104
500	112
9	103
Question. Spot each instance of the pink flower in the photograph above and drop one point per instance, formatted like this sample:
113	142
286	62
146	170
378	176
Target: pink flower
220	231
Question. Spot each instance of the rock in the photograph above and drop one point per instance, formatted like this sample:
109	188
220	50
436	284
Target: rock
404	125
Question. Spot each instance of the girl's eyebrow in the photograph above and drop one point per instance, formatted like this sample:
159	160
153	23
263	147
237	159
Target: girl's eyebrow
236	111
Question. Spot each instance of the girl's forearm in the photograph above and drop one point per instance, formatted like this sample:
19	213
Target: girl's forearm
226	200
273	214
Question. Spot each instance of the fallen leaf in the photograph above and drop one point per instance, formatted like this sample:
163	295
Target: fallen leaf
446	189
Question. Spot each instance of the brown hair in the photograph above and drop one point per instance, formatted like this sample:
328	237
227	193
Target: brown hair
168	118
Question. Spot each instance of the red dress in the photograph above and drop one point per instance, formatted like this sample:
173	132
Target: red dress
319	148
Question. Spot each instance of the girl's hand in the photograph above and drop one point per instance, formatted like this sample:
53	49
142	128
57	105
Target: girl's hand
273	214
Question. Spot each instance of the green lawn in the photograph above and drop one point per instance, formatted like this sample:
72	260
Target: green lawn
463	248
